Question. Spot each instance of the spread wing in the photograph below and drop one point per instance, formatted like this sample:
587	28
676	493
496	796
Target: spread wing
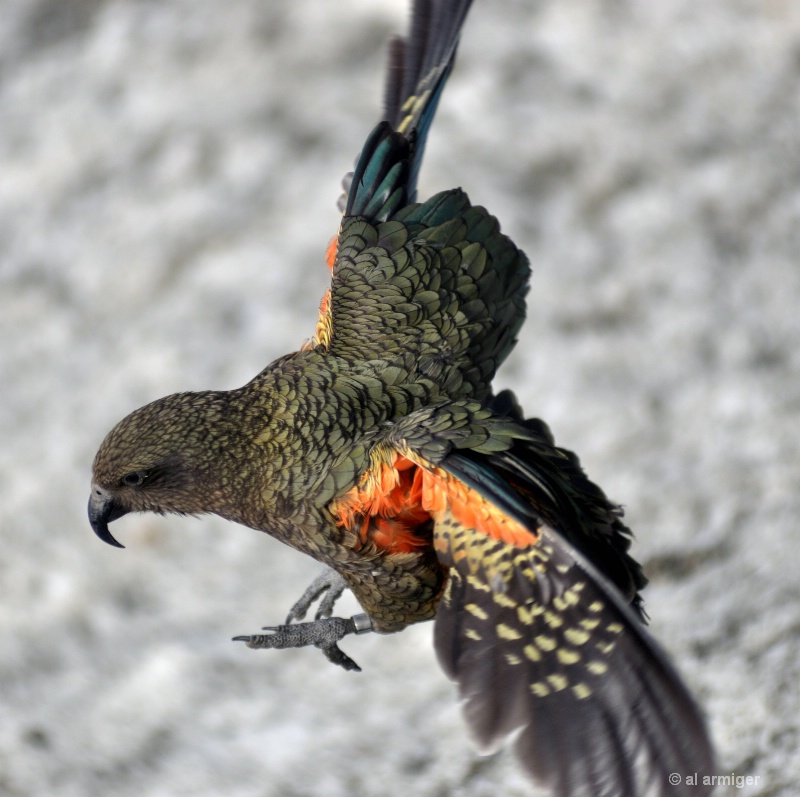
541	643
431	290
437	280
538	622
436	293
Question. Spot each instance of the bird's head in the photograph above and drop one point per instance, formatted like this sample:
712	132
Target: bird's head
156	460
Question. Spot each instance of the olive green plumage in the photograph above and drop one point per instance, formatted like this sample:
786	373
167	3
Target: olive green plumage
436	294
420	315
381	451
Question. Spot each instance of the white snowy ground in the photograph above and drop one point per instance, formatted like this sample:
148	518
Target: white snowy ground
168	177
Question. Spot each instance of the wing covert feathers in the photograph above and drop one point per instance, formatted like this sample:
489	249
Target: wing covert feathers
438	291
543	646
433	287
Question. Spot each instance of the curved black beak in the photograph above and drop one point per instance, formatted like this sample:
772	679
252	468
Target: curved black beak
102	510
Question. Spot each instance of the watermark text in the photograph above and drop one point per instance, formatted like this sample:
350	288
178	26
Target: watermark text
699	779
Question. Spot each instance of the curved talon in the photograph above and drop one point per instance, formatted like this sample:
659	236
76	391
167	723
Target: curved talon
323	634
325	608
336	655
330	582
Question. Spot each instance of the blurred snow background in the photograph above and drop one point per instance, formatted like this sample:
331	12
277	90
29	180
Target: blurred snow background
168	177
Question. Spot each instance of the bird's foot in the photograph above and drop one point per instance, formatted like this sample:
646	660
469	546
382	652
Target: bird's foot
323	634
328	584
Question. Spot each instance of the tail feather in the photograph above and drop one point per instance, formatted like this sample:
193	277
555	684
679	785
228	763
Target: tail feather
451	293
417	72
379	184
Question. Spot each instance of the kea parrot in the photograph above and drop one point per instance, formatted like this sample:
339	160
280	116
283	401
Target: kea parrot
380	449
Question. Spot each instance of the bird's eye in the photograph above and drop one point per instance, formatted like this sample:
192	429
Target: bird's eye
134	479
